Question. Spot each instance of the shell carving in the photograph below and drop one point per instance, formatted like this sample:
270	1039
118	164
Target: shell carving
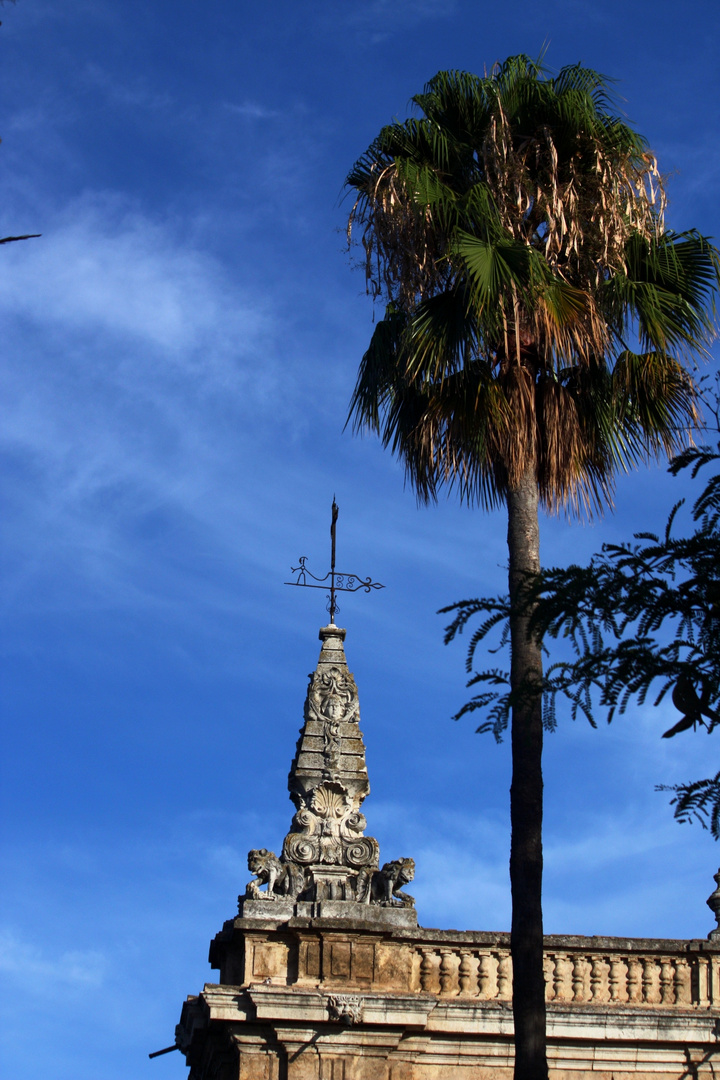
331	801
329	830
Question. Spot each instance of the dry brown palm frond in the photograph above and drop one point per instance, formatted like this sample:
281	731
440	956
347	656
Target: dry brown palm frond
517	447
404	248
560	445
566	325
620	194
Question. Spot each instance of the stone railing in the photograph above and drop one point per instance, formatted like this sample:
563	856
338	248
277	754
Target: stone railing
594	971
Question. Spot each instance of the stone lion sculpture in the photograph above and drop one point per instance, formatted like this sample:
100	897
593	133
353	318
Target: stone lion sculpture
384	886
279	877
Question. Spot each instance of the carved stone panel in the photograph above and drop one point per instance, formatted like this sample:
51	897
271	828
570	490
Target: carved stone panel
330	746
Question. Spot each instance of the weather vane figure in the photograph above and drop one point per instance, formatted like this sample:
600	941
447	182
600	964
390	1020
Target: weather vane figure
338	582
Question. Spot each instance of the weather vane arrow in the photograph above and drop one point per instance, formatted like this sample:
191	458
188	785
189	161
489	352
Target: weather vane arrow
338	582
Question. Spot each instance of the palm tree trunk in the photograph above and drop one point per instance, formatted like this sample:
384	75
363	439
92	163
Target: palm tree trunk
526	793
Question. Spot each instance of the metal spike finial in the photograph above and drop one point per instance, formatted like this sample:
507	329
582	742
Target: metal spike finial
338	582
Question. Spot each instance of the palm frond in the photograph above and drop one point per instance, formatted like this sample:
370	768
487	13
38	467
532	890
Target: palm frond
517	223
377	372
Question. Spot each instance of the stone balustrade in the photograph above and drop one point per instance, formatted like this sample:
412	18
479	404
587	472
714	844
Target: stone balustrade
601	971
380	950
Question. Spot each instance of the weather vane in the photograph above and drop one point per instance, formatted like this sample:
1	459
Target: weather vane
338	582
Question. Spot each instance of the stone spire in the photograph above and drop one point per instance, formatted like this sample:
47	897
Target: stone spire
328	782
326	855
330	747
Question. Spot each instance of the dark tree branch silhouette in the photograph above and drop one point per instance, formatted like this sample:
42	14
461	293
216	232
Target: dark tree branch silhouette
641	618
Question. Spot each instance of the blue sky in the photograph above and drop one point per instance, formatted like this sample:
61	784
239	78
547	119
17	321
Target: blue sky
179	349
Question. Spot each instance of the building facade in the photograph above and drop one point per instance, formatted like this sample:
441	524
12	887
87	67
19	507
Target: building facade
324	974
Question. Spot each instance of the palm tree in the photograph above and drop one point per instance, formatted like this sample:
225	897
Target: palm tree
515	231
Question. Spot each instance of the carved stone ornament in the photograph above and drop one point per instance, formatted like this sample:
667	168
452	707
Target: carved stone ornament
332	700
281	879
333	696
328	829
344	1009
326	855
383	886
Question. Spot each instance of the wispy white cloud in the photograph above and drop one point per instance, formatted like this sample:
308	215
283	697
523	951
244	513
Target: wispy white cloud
134	375
142	376
251	110
135	92
386	15
376	21
26	965
105	267
599	862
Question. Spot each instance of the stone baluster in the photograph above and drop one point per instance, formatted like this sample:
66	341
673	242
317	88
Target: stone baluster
549	972
563	978
635	986
667	981
650	995
504	977
714	977
446	972
466	974
595	978
702	995
487	983
578	978
617	981
427	969
598	978
683	991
